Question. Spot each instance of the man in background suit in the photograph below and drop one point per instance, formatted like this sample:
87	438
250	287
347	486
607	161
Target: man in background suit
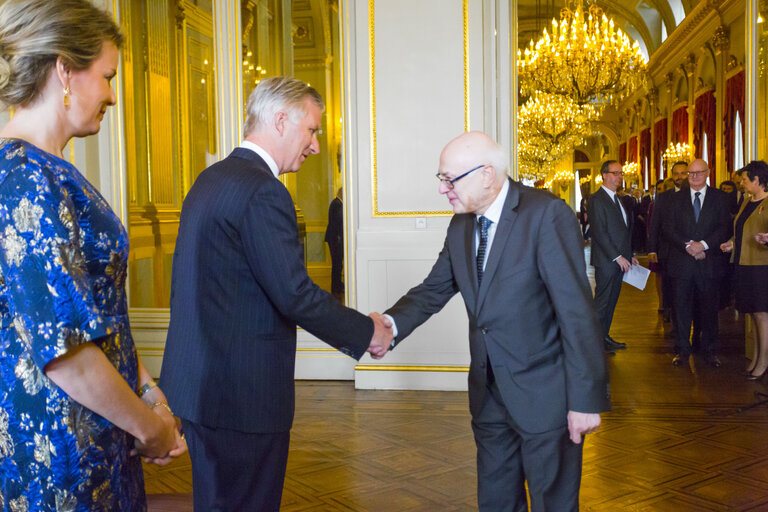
334	237
658	250
697	224
611	253
537	372
239	288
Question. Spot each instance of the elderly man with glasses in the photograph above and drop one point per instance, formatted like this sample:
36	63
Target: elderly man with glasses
537	379
698	223
611	252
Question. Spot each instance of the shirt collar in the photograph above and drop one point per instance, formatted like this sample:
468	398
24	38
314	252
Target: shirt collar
263	154
493	213
703	193
611	193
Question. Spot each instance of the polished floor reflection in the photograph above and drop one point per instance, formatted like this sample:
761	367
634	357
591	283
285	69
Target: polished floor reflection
674	440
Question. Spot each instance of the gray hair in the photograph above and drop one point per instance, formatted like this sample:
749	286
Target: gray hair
275	94
498	158
34	33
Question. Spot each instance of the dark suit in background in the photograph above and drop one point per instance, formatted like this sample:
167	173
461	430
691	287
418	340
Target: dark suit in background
239	289
334	237
534	342
611	238
696	283
657	244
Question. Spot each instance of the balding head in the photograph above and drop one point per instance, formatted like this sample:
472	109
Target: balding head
476	191
697	174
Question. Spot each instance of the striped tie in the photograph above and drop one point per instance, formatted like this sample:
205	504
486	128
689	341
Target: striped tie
484	225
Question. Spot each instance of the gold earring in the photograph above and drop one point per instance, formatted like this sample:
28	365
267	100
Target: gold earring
66	96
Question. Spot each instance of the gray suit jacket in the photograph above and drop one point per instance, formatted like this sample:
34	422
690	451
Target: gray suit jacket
532	318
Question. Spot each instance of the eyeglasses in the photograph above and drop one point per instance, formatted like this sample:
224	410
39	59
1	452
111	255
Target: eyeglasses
449	182
615	173
697	173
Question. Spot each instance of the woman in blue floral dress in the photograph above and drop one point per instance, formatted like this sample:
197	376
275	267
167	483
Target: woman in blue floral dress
72	419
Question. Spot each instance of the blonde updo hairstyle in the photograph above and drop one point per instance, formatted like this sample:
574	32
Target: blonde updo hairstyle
34	33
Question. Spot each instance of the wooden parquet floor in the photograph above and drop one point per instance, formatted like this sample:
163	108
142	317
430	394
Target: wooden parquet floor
674	440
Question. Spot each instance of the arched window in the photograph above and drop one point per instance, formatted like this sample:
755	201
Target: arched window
704	149
738	147
677	10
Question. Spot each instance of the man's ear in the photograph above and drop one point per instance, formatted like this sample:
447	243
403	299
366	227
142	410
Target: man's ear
489	175
279	122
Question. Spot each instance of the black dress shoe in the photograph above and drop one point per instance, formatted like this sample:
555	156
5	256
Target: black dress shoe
714	361
613	344
680	360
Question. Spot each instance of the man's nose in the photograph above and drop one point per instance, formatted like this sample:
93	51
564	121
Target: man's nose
314	147
443	188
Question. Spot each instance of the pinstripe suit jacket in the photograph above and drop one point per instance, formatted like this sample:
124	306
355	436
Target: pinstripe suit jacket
239	288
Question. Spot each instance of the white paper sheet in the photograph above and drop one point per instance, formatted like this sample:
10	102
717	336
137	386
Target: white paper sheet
637	276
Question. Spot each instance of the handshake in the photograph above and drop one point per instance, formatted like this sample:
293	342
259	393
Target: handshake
382	335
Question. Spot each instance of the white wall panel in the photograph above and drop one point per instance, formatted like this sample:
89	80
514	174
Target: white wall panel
419	97
414	79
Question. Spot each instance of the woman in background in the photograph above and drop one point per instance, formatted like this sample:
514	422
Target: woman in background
750	255
71	418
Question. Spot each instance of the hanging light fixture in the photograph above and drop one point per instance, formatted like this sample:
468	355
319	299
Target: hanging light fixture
585	58
550	125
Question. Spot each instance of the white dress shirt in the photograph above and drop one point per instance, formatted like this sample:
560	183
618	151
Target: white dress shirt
612	195
703	192
493	213
263	154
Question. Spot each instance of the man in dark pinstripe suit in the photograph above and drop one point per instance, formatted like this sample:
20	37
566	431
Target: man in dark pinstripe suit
239	289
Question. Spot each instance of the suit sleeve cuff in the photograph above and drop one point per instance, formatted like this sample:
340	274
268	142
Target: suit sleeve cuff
394	330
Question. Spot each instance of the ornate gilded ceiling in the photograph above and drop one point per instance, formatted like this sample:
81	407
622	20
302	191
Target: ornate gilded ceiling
647	21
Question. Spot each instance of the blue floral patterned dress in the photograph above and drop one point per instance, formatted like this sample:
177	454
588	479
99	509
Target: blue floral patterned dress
63	258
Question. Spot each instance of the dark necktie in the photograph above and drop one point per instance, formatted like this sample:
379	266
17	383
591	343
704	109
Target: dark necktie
618	205
482	246
697	206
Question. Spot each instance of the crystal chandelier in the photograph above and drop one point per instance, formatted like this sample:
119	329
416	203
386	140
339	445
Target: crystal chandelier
631	171
550	125
585	58
680	152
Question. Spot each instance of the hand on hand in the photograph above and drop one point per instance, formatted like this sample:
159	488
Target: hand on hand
694	248
580	423
726	246
700	256
382	336
160	445
762	238
181	447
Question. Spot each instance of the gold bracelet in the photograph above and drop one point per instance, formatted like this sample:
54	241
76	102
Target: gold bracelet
146	388
163	404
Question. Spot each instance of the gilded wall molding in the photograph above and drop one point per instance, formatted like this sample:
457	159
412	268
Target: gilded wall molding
372	80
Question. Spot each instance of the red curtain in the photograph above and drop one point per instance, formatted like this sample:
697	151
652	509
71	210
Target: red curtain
632	156
680	125
704	122
622	153
659	144
734	102
645	154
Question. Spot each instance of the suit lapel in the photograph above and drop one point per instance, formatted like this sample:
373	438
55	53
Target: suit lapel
461	244
506	221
